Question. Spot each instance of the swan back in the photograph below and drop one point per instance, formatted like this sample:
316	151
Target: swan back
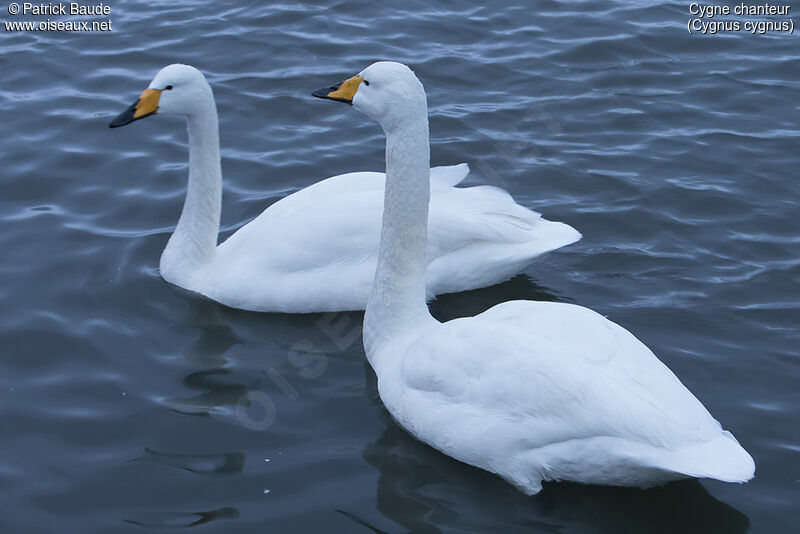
539	390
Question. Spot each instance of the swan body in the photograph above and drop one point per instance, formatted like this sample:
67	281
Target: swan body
316	250
481	237
537	391
531	391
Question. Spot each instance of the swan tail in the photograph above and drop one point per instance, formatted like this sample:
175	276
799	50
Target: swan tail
721	459
513	223
551	235
490	213
449	175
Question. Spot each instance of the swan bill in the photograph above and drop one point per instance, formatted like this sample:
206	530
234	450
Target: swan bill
344	92
144	107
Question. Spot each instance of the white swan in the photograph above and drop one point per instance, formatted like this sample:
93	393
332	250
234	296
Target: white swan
316	250
532	391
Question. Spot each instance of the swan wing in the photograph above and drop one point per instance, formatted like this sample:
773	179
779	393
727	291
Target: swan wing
331	197
349	183
313	250
334	220
540	373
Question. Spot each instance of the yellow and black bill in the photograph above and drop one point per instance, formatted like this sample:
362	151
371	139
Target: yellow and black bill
344	92
144	107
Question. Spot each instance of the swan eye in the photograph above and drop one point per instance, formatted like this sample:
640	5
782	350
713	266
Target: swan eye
168	88
366	82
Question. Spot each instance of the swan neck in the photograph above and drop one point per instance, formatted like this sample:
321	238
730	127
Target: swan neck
397	304
194	241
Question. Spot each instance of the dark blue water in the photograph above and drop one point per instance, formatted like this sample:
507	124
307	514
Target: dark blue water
128	405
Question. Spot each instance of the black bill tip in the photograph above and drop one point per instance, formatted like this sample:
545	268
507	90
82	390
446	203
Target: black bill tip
127	116
323	92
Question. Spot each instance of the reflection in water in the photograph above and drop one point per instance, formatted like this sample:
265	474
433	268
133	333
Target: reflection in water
177	519
289	350
427	492
223	379
361	522
221	463
216	335
218	397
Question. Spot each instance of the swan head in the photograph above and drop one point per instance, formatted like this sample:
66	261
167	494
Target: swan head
177	88
387	91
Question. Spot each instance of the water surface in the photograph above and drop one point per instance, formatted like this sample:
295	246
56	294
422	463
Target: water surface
128	405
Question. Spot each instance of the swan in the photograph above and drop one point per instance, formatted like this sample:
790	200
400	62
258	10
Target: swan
531	391
316	250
